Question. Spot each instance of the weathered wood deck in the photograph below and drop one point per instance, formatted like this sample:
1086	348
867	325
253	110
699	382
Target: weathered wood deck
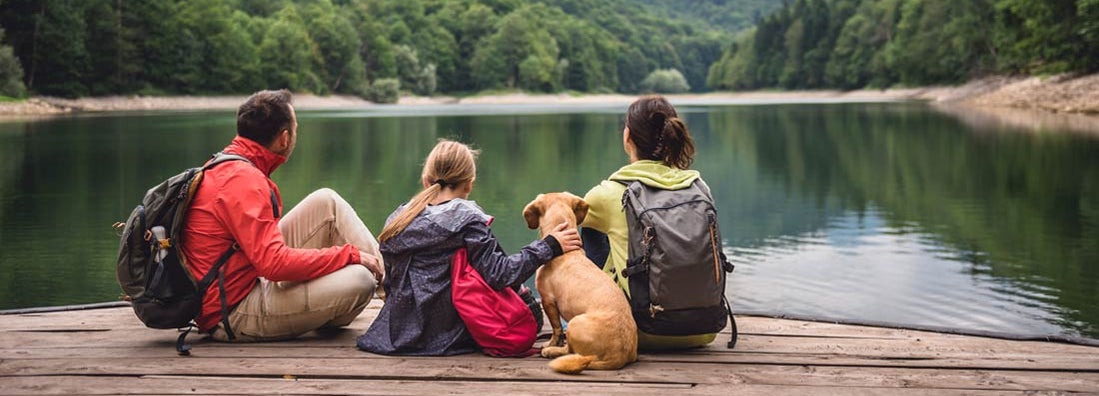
107	351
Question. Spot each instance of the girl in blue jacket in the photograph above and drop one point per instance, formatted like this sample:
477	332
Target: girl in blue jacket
417	244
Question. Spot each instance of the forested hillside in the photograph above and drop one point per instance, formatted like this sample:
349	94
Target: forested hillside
98	47
857	43
375	48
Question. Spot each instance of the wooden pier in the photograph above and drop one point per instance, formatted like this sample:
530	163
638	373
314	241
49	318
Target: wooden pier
108	351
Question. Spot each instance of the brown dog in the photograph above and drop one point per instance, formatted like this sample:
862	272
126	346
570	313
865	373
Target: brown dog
602	334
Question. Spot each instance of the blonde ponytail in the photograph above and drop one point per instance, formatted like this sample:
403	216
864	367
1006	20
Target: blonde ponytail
415	206
449	165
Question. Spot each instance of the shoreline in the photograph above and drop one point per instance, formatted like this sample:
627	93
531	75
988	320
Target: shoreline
994	97
51	106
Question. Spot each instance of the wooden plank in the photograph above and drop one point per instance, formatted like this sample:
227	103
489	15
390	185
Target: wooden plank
1042	362
262	386
116	317
977	353
431	369
175	385
123	319
918	339
916	347
101	320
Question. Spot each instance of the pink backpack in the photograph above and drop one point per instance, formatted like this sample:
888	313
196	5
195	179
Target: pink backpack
498	320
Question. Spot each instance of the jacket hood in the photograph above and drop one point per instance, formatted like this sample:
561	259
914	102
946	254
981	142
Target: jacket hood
435	227
264	159
656	174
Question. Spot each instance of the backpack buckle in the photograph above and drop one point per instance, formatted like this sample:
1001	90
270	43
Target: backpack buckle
654	309
632	270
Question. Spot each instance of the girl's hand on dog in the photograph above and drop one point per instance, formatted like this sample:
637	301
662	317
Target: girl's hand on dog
568	238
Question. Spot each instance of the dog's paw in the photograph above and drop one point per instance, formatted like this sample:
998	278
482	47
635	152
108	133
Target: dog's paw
553	352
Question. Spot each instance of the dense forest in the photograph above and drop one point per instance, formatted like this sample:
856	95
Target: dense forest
378	48
882	43
364	47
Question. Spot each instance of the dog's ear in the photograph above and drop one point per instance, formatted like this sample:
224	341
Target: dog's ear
533	212
580	208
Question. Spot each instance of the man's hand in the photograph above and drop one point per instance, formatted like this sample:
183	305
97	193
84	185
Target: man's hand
371	263
568	238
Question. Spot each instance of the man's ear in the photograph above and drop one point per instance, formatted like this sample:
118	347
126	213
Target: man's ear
580	209
281	141
533	212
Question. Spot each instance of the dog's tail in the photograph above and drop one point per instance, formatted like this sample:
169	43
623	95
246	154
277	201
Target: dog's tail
571	363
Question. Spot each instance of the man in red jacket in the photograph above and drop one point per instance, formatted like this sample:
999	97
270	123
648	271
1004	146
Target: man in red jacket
316	266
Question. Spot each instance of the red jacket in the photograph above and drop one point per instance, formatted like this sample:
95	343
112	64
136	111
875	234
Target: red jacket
233	204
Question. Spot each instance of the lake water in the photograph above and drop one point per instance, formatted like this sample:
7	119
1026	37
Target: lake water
887	212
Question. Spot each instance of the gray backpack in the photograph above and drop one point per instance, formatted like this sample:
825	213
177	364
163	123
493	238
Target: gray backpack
676	267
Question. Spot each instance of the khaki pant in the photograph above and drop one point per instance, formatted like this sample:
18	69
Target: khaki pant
283	310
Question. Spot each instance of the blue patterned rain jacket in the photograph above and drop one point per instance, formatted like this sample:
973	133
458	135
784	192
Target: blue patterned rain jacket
418	317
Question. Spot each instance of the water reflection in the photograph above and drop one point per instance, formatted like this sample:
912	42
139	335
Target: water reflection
886	212
933	223
859	268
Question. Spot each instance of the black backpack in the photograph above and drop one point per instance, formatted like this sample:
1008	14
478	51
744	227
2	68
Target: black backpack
676	267
151	268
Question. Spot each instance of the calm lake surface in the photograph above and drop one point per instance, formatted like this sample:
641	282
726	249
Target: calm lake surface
889	212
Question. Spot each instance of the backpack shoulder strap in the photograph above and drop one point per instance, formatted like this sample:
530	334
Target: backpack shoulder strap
222	156
704	187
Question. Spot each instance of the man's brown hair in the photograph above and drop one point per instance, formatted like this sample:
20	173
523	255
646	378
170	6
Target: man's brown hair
264	114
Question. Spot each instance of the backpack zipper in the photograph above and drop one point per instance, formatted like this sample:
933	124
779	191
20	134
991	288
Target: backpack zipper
713	242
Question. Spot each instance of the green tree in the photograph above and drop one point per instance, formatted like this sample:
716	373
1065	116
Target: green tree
376	50
734	69
115	66
519	39
287	55
226	57
633	67
538	73
1089	28
698	52
57	59
857	60
419	78
1048	36
468	22
940	41
338	43
11	72
384	90
437	47
665	81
